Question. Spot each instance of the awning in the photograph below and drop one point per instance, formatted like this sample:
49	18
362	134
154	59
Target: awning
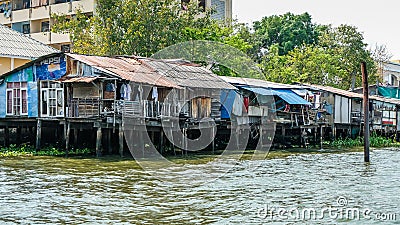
80	79
259	90
287	95
290	97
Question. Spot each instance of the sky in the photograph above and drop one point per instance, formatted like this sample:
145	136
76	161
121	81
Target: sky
379	21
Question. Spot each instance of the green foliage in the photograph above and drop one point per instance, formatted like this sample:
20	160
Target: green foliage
286	32
132	27
289	48
27	150
375	140
327	55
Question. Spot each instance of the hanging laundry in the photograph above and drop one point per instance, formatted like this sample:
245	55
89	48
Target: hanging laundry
122	91
155	94
128	92
125	92
110	87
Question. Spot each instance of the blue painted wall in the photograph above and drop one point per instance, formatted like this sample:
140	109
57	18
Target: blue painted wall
3	100
49	69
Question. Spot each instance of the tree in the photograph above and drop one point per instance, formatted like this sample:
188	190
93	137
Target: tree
380	54
333	60
305	64
286	32
133	27
348	43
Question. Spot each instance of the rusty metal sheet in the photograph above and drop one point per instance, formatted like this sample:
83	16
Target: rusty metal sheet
80	79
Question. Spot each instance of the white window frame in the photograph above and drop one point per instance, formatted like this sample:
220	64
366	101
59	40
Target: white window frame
13	91
46	96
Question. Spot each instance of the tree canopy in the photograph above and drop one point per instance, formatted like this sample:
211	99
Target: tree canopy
288	48
142	27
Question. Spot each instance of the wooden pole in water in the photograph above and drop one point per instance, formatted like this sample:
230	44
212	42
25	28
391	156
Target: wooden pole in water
366	110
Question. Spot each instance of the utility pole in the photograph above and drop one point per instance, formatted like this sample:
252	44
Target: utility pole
366	110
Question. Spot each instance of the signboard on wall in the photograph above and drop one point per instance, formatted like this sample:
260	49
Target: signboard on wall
51	68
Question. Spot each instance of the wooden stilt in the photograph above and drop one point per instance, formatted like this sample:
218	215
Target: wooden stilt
76	132
38	134
183	141
334	131
142	143
109	145
172	142
67	130
98	142
237	138
121	141
261	137
6	136
213	140
18	139
321	138
315	136
152	138
161	141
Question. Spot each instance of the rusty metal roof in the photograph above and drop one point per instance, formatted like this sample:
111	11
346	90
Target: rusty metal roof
350	94
187	75
337	91
80	79
125	68
18	45
258	83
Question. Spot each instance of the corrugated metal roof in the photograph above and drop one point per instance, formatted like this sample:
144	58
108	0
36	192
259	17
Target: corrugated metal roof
187	75
350	94
258	83
290	97
125	68
337	91
287	95
80	79
18	45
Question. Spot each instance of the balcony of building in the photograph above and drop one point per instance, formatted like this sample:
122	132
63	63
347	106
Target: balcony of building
41	12
20	15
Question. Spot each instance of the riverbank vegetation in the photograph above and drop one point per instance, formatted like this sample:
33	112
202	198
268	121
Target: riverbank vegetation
340	144
376	141
27	150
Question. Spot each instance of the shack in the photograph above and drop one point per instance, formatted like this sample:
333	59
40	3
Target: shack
68	96
346	112
31	92
286	108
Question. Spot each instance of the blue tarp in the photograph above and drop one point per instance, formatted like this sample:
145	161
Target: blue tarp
287	95
259	90
227	101
290	97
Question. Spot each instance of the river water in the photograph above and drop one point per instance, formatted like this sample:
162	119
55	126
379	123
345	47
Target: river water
278	190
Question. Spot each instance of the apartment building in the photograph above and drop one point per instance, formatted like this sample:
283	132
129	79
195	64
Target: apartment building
17	49
32	17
